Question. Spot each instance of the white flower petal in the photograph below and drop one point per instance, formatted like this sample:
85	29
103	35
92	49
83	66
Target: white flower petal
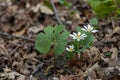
71	35
86	27
72	46
83	29
89	26
79	33
74	34
94	31
67	49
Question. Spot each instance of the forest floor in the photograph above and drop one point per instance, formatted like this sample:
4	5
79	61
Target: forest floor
22	20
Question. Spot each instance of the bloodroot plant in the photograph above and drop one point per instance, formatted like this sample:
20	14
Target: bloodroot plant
81	40
57	37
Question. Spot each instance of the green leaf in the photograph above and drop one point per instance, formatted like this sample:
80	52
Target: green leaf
56	36
61	39
94	21
69	55
65	3
118	11
59	48
87	41
103	7
42	43
80	30
58	29
44	40
49	32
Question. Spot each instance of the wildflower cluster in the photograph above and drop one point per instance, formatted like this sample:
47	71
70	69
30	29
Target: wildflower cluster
57	37
82	39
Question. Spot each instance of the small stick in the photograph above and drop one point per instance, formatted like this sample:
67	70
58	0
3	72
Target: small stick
55	11
17	47
13	36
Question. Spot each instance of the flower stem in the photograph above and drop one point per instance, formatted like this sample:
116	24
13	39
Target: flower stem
78	43
54	63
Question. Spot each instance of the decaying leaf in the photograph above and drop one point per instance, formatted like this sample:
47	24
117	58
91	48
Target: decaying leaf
3	50
12	75
67	77
116	30
42	8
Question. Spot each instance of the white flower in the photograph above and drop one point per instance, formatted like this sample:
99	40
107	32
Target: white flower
89	28
78	36
70	48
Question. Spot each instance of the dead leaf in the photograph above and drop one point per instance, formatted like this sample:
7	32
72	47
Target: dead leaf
29	56
21	77
46	10
19	33
114	53
55	78
12	75
9	2
116	30
67	77
6	69
3	50
24	71
12	10
35	8
35	29
28	5
106	49
42	8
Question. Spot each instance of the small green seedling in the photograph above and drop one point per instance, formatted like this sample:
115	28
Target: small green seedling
55	37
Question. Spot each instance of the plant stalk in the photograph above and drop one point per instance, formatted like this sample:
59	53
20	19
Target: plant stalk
77	49
54	63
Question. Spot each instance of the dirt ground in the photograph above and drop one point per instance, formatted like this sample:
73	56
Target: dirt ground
22	20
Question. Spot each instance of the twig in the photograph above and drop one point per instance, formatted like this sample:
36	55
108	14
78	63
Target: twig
19	37
55	11
17	47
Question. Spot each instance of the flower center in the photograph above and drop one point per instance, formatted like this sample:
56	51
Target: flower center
78	36
71	49
89	29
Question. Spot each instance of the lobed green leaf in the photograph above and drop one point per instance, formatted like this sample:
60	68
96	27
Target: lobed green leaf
56	36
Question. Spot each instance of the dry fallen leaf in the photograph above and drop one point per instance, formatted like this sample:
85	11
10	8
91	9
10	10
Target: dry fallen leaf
6	69
46	10
3	50
116	30
35	29
42	8
67	77
19	33
114	53
29	56
12	75
27	5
